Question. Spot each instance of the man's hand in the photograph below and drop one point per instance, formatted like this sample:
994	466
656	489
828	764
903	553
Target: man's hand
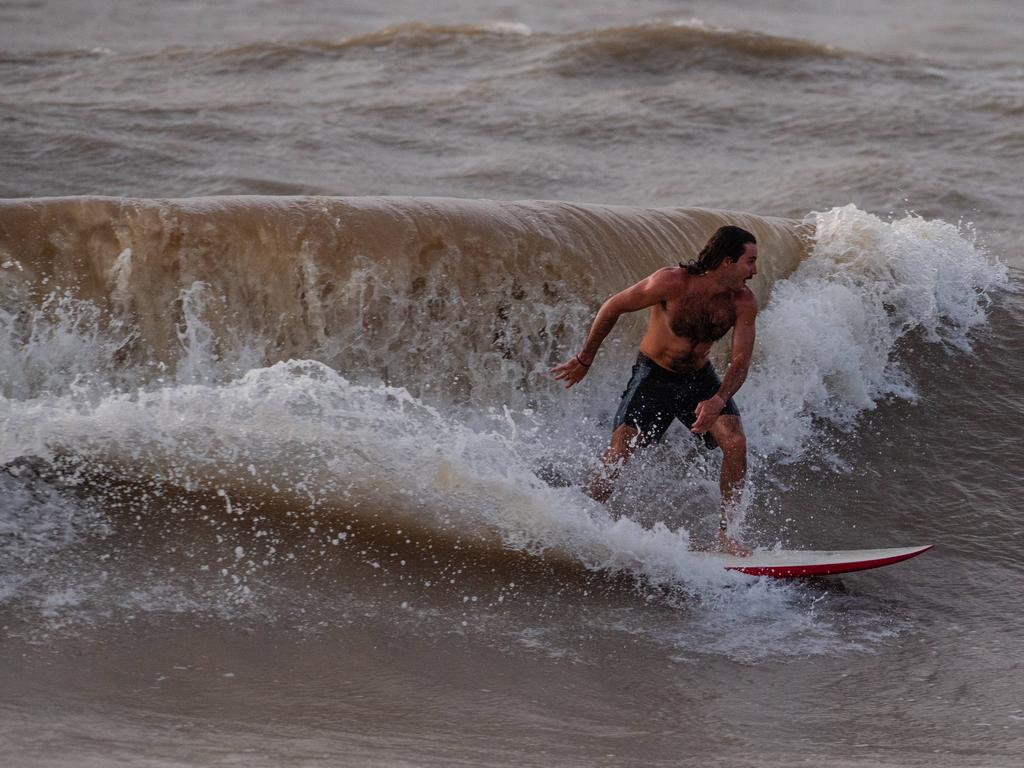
571	371
707	411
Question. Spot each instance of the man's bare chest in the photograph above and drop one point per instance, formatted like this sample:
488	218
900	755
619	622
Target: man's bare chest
699	318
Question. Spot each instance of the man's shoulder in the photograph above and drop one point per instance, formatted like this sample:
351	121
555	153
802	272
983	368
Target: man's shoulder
669	277
671	273
746	300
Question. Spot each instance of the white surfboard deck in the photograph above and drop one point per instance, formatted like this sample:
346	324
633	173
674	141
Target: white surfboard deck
792	563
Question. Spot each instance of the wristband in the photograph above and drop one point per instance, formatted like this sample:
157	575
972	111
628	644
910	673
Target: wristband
581	362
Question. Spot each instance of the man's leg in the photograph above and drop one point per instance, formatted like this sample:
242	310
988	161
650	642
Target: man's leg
728	432
623	445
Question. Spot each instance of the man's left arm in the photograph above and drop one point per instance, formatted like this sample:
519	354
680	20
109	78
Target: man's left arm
739	364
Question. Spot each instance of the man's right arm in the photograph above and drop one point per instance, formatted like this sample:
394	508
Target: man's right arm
646	293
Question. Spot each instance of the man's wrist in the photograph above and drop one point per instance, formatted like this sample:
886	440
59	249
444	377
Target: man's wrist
584	359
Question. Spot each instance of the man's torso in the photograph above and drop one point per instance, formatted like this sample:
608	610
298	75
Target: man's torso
682	329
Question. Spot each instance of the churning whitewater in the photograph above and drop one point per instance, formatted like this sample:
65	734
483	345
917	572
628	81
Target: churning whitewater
378	361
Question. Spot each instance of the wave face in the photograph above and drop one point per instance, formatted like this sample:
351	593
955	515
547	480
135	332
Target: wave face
388	357
470	301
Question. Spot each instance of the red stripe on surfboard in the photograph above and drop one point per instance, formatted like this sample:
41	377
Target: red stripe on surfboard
824	569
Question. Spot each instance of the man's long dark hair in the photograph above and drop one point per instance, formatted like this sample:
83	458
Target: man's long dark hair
728	242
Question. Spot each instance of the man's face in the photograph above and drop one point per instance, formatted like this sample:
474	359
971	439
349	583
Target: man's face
746	265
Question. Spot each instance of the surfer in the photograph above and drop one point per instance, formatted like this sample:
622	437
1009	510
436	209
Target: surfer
692	306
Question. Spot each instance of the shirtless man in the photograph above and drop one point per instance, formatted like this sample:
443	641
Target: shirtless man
691	306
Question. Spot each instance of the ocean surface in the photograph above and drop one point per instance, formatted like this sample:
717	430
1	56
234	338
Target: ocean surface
285	481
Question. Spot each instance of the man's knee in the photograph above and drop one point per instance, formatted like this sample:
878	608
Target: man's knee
733	443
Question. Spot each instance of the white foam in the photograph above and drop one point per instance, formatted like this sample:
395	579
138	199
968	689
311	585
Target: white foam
302	431
302	427
828	340
507	28
54	347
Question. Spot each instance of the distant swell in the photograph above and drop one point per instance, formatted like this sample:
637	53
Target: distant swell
656	43
663	46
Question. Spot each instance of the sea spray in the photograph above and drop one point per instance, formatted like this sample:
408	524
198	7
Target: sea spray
828	345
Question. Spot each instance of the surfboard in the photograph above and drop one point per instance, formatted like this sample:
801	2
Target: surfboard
792	563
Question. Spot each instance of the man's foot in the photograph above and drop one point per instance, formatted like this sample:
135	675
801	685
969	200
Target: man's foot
732	547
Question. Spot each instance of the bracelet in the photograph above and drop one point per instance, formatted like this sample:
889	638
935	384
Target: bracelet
723	525
581	362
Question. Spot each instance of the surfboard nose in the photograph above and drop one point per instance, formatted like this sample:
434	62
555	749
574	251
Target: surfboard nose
785	564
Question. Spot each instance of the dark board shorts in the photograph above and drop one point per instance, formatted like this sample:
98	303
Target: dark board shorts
656	395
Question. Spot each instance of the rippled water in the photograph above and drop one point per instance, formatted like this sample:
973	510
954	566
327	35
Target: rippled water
271	485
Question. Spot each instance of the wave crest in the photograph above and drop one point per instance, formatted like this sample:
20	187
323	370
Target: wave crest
470	300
